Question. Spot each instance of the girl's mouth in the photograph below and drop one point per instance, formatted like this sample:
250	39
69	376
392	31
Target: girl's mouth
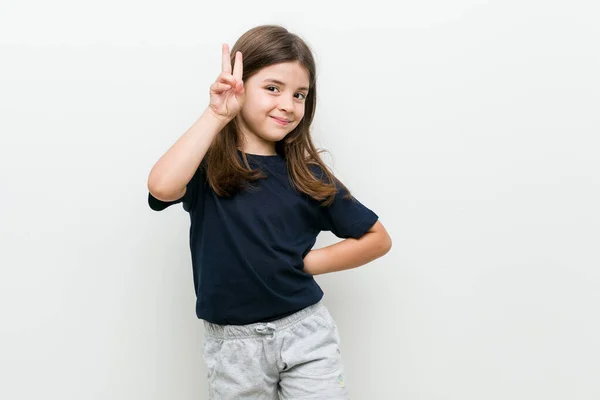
281	121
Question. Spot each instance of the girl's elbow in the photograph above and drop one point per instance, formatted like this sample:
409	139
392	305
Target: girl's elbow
384	240
386	244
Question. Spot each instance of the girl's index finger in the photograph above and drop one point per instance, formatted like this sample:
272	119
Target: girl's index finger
238	67
226	62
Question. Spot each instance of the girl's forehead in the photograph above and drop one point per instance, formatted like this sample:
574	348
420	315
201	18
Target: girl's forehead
290	73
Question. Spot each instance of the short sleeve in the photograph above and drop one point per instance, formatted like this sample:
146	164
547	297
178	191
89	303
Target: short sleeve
346	217
189	199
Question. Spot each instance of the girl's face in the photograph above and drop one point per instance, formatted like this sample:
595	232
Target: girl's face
274	104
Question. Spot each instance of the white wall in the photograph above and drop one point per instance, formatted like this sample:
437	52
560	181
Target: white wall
471	128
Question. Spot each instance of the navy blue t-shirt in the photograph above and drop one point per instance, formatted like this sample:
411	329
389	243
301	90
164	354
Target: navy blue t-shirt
247	250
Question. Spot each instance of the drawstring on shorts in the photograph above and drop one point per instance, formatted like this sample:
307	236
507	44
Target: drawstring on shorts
266	329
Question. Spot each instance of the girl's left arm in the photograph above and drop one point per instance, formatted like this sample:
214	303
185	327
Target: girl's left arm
349	253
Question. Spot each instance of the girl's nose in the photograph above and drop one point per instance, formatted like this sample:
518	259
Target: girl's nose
286	104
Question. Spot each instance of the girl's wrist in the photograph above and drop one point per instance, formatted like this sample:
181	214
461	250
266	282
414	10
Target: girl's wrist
218	119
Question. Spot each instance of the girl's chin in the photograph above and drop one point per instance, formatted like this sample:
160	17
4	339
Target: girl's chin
275	135
272	133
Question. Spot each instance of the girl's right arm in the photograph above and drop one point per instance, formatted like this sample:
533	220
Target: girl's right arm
172	172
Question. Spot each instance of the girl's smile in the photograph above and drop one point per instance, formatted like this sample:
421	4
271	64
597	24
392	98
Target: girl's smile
280	121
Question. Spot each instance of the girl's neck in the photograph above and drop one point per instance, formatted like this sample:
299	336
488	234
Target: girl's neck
250	145
259	152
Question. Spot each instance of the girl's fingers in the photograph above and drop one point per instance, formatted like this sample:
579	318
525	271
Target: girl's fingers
226	78
238	67
218	87
239	89
225	62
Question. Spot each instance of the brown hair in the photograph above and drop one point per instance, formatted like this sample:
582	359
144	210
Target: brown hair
261	47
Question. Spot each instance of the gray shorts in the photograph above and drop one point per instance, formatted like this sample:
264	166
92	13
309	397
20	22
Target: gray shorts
296	357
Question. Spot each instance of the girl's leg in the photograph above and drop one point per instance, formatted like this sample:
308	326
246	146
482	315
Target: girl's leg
312	360
241	363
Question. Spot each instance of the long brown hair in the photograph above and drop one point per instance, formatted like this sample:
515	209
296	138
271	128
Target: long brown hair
261	47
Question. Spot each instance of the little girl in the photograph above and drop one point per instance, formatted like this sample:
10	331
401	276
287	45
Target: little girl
258	194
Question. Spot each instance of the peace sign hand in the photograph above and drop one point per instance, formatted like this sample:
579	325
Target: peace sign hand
227	92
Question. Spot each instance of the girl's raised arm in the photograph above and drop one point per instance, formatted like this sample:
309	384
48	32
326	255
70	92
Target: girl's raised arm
169	176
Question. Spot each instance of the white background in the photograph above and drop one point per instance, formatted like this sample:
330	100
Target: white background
470	127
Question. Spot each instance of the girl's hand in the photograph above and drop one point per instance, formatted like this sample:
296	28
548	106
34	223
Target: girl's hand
227	92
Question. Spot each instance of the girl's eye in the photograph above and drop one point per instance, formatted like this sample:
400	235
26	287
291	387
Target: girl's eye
302	96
